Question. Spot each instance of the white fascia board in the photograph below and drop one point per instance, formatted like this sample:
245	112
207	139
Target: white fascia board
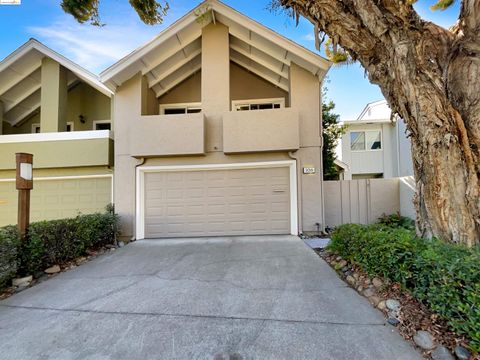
56	136
107	76
366	122
82	73
109	73
268	33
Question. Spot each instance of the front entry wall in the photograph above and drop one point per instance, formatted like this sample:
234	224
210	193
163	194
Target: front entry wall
58	197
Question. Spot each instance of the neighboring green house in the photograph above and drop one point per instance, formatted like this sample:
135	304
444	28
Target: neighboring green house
61	113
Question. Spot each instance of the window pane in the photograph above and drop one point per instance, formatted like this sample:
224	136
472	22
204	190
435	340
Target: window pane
276	106
102	126
265	106
254	107
373	139
357	140
193	110
242	107
174	111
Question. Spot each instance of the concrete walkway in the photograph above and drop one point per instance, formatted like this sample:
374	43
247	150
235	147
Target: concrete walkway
229	298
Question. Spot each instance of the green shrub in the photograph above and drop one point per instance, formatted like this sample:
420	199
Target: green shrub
396	220
57	241
445	277
8	254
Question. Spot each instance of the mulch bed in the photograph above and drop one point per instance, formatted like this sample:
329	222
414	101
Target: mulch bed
413	315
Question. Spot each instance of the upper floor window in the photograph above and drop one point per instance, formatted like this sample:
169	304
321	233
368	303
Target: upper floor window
258	104
365	140
102	125
175	109
36	127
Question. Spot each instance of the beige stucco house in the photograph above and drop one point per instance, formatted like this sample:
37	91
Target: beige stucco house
59	112
218	130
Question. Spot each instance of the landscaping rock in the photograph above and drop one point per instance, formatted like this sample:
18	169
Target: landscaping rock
345	269
339	258
24	281
393	304
382	305
81	260
342	263
462	353
393	321
53	270
121	244
348	273
110	246
442	353
356	276
424	340
368	292
374	300
367	281
377	282
360	288
350	280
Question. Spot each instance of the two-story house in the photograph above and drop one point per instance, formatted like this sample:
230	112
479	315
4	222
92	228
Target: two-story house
59	112
376	145
218	130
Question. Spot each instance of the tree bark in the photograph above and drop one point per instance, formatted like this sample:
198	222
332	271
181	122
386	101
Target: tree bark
431	78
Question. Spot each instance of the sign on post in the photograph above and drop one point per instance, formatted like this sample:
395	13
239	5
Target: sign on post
24	183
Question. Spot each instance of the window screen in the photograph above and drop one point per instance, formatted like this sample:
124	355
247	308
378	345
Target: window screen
357	140
373	140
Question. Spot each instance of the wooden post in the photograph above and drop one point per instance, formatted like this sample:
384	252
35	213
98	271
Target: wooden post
24	183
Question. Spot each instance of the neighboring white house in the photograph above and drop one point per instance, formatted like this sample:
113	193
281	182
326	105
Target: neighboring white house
375	145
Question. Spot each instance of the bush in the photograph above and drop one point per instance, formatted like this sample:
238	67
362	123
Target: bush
8	254
53	242
446	277
57	241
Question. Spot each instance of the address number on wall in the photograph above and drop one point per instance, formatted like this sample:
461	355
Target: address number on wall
309	170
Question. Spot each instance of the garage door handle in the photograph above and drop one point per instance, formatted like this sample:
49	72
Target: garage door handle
278	191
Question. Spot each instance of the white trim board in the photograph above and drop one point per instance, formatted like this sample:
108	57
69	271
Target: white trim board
142	170
56	136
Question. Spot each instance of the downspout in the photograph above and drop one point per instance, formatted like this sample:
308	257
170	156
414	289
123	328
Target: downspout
320	135
292	155
140	163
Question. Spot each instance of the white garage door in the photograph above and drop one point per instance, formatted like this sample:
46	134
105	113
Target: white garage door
217	202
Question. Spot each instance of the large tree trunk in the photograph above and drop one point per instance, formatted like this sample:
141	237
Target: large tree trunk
431	78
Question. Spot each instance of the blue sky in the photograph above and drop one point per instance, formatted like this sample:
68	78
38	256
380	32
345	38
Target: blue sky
96	48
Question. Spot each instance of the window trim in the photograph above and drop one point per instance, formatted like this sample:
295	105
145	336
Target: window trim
195	105
35	126
280	101
365	131
95	122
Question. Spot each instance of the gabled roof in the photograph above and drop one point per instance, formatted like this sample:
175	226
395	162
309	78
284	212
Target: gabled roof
371	106
175	53
20	79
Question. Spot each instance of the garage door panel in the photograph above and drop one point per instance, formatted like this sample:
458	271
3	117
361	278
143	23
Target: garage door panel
217	202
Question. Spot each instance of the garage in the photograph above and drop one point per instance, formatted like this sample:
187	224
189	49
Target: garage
242	200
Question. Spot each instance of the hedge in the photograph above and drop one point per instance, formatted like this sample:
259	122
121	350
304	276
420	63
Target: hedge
445	277
8	254
53	242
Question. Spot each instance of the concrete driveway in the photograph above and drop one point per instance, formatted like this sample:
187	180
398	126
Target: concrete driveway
226	298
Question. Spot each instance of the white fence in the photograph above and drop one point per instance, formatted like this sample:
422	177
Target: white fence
364	201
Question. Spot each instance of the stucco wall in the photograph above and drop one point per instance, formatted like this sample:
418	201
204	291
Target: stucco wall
244	85
84	190
216	94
